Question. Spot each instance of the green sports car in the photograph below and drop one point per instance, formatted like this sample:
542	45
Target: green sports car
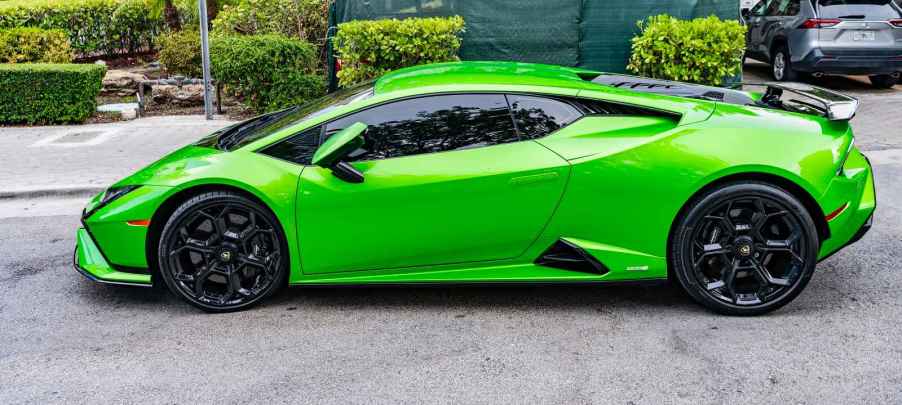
495	172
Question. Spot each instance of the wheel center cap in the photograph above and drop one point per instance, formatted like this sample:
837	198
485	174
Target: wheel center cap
225	256
744	247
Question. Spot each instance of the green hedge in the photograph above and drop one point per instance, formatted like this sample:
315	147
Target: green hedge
48	93
703	50
180	53
95	27
371	48
302	19
27	44
267	71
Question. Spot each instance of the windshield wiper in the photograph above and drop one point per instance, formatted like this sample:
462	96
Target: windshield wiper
235	134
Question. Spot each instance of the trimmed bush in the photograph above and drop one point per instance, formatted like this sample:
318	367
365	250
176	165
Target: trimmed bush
94	27
267	71
38	93
26	44
302	19
371	48
180	53
702	50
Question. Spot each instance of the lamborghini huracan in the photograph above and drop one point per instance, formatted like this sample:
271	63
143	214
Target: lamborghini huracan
498	172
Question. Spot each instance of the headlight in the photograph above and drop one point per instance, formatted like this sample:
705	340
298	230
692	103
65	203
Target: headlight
111	194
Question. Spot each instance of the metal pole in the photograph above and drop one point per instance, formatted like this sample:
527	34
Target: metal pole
205	56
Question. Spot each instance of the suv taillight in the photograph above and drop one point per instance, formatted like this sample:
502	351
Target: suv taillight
896	22
820	22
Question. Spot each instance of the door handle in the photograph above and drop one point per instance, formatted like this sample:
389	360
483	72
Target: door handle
534	178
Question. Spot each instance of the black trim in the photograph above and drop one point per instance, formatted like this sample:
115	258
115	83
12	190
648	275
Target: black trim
93	278
865	227
568	256
451	284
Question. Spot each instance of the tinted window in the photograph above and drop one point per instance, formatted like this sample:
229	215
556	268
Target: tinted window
872	10
775	7
431	124
793	8
536	117
298	149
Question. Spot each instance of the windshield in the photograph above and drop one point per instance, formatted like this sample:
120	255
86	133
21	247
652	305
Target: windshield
871	10
245	132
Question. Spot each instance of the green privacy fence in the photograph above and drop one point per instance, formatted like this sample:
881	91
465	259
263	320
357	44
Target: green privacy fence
593	34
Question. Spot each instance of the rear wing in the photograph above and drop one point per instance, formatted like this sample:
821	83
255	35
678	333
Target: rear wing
807	99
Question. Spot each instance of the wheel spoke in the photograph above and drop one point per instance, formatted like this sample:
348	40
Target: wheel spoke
729	278
201	278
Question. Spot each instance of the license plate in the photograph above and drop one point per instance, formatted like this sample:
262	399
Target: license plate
864	36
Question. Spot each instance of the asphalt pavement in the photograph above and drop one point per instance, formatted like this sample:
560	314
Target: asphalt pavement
64	339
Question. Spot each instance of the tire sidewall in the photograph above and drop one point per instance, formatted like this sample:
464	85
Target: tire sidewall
205	200
682	266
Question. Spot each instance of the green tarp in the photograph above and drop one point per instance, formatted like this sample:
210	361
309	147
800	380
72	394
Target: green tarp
594	34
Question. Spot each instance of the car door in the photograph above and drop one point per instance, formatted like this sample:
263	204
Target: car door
446	180
772	23
755	22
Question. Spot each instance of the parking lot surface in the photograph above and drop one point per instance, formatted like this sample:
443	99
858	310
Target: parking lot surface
64	339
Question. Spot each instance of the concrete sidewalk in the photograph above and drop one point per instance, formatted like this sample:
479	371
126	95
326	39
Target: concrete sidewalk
78	160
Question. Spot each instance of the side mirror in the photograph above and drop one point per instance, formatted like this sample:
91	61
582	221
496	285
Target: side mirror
332	152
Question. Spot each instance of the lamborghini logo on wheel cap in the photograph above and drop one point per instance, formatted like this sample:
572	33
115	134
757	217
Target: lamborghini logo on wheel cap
225	255
745	250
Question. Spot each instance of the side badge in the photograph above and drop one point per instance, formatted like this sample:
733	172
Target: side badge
637	268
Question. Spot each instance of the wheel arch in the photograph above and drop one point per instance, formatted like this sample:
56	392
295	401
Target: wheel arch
170	204
779	40
805	198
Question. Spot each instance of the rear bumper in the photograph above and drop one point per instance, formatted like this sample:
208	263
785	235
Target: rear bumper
850	62
90	262
857	219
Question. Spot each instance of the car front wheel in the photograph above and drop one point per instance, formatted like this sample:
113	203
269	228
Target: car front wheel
221	251
744	248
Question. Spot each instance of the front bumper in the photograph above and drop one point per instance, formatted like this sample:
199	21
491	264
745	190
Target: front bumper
91	263
850	62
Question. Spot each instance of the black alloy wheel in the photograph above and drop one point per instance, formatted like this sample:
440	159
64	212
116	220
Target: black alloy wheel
222	252
745	249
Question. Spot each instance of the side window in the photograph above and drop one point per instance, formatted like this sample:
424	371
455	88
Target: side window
431	124
536	117
761	7
773	8
795	6
298	148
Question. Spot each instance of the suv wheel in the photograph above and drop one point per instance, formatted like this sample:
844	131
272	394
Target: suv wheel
782	66
883	81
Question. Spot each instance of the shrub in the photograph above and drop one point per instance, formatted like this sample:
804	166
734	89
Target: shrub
702	50
94	27
369	49
268	71
48	93
180	53
302	19
20	45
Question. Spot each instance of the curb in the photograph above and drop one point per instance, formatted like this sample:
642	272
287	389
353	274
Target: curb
61	191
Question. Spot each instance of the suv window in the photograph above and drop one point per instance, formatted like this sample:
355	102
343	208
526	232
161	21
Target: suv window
759	8
793	8
431	124
776	7
871	10
536	117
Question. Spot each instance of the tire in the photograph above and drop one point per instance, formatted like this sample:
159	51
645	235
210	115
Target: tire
222	252
883	81
745	248
781	65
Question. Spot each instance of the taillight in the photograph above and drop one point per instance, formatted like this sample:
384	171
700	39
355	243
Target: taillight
820	22
896	22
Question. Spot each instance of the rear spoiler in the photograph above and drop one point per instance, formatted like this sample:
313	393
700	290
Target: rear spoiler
835	106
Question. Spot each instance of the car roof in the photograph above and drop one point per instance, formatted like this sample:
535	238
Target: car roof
485	73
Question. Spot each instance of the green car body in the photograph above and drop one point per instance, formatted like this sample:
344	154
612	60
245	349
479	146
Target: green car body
612	185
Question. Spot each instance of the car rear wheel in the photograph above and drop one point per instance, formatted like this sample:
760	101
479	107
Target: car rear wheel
744	248
221	252
782	66
883	81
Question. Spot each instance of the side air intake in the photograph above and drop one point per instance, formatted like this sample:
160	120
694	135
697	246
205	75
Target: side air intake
567	256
